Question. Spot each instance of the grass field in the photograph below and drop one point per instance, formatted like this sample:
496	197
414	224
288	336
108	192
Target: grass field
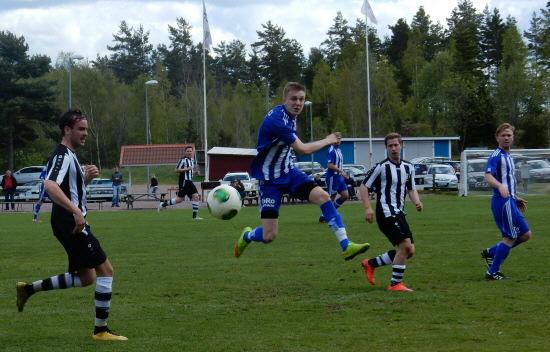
178	287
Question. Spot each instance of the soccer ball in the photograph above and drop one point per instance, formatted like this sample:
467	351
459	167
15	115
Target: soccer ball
224	202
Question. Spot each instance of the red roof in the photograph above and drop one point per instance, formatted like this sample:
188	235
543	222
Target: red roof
152	154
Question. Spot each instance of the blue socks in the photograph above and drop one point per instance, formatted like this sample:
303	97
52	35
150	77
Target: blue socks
338	202
256	235
335	223
501	252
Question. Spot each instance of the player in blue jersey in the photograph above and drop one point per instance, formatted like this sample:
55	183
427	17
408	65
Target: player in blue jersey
506	206
336	176
277	175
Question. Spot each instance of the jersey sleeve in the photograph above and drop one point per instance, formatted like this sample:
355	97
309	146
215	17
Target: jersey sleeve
58	168
372	175
410	184
492	165
279	130
331	156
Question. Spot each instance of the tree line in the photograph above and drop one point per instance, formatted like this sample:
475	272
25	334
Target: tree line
426	80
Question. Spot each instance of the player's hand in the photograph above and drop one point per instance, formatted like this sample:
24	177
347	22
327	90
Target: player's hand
90	172
521	204
419	206
344	174
79	221
369	215
332	138
504	193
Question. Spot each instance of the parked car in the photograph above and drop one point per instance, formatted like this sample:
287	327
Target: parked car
539	170
27	174
355	174
309	167
361	167
442	175
250	184
420	171
102	189
29	191
476	174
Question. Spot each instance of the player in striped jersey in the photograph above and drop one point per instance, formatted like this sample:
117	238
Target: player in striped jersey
335	176
506	206
392	178
65	183
274	169
185	168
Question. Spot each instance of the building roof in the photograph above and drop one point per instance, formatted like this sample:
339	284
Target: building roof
152	154
232	151
378	139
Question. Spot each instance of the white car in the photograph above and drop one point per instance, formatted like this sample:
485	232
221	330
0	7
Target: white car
102	189
27	174
250	184
441	176
29	191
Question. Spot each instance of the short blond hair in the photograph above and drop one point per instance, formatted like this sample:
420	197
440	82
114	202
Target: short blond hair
504	126
392	135
293	86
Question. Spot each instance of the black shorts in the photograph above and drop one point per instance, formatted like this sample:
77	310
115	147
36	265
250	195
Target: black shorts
395	228
188	189
83	249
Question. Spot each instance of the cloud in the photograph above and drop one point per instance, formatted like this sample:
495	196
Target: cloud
87	27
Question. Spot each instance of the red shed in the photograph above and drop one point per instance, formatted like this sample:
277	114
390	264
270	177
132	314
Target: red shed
222	160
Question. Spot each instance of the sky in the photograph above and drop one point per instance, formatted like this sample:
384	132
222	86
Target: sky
86	27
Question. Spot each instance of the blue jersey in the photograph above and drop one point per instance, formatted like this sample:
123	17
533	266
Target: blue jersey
276	135
501	166
334	156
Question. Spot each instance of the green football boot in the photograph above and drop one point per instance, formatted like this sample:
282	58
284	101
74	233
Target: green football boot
241	244
354	249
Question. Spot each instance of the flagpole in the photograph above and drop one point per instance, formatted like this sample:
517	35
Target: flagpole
368	88
206	166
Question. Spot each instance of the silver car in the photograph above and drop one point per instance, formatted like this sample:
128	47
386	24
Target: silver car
441	176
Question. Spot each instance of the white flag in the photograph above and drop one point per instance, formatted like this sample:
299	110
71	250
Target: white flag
367	11
207	38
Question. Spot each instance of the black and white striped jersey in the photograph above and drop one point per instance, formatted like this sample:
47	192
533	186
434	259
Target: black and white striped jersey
64	169
392	183
187	175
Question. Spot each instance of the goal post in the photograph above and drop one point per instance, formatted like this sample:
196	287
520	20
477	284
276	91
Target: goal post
531	167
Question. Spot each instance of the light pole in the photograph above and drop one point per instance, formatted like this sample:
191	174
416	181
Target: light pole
71	58
147	126
309	105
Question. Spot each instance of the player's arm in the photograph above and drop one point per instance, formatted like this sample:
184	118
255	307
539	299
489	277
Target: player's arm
491	180
415	198
369	212
58	197
333	167
308	148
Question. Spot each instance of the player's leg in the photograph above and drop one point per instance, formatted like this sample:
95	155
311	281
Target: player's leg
180	196
342	190
317	195
75	277
369	265
193	194
270	202
399	234
103	294
514	230
332	192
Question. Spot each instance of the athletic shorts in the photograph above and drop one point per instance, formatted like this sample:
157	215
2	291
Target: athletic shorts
509	219
394	227
83	249
336	184
188	189
271	192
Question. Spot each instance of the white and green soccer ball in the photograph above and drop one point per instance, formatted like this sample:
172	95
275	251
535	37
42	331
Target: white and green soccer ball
224	202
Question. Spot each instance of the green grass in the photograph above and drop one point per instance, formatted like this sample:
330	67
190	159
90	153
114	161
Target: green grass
178	288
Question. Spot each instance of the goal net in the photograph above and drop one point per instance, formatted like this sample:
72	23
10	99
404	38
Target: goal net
531	166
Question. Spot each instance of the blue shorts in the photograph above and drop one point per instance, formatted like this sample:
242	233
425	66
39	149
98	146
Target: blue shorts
271	192
508	218
336	184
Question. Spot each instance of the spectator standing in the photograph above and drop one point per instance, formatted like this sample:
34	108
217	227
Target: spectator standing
9	184
153	186
116	177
